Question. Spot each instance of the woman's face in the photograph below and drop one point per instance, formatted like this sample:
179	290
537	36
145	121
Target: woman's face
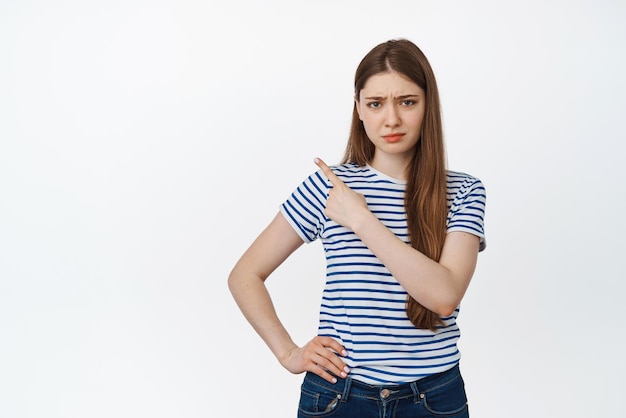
392	110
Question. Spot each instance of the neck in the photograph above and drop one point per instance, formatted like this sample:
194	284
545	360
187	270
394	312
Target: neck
393	166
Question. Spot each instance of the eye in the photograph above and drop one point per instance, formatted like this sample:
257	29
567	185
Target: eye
408	102
374	105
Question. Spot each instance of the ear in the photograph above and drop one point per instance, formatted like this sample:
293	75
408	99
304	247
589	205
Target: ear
357	107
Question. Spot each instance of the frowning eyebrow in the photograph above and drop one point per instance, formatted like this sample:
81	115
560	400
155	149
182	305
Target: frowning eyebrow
402	97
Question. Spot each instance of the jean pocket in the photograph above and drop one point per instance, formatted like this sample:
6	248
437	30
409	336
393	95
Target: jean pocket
447	400
317	401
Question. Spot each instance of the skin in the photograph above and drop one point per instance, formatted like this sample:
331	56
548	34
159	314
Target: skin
389	103
246	283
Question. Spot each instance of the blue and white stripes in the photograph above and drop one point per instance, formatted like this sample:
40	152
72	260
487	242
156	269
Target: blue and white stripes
363	306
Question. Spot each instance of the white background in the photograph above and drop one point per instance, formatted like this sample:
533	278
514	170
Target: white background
144	144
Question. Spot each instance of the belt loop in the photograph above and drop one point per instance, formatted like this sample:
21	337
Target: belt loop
346	389
416	392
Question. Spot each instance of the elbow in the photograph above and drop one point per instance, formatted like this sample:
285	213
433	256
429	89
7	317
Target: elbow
442	306
230	282
447	308
241	279
234	281
446	311
448	302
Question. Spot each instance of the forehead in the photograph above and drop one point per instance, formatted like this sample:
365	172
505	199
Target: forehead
390	84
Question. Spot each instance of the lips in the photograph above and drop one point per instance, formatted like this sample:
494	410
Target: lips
391	138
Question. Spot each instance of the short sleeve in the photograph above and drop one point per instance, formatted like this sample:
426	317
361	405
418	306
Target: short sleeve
304	209
467	210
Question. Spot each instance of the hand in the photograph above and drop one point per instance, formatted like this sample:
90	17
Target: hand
344	205
317	356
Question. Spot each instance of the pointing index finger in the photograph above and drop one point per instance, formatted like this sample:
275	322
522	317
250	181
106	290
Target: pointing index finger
332	177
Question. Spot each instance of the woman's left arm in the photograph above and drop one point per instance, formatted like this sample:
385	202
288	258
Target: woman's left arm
439	286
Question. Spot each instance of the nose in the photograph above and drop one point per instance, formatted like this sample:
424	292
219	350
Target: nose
392	117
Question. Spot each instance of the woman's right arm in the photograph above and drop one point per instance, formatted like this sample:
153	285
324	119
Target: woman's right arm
247	285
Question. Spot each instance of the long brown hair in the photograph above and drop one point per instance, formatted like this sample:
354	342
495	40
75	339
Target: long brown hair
425	195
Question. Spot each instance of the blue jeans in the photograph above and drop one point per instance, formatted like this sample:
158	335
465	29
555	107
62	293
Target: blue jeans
440	395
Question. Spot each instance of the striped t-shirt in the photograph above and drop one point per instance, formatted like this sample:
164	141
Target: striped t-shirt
363	306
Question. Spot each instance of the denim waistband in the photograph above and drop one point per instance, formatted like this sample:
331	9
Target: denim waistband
353	388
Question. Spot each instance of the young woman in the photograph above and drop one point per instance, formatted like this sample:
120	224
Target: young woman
401	236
